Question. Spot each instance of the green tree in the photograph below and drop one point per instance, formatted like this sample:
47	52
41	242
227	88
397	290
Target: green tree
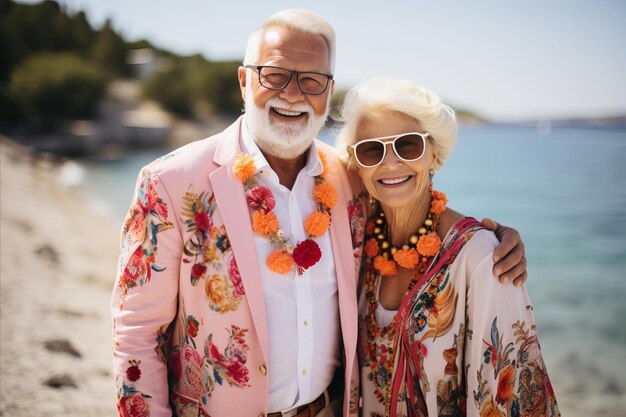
51	87
221	87
169	88
191	81
109	52
26	29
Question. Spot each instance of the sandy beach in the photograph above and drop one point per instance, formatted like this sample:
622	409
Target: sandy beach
57	267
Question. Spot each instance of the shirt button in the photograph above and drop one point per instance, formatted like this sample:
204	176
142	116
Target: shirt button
304	371
263	369
306	323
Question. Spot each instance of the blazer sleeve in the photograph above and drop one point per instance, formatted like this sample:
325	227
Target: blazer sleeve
144	299
505	371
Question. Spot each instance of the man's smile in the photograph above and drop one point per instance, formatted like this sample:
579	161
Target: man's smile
291	114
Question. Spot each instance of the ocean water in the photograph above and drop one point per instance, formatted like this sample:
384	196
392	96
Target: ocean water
565	191
566	194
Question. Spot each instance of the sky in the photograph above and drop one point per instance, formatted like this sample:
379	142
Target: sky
505	60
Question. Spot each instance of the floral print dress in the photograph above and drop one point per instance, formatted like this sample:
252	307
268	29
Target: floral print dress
464	344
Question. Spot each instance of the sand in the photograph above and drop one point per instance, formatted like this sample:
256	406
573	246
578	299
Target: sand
57	263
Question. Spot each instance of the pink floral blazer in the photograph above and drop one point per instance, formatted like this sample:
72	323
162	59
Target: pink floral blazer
189	325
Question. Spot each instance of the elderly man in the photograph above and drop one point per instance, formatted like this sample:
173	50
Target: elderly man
236	292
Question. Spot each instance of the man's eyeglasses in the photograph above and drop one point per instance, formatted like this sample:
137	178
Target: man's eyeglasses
276	78
409	147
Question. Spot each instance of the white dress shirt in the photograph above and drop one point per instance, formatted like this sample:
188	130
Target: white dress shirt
302	310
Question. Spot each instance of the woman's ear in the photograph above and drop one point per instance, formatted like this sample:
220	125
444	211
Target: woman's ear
433	160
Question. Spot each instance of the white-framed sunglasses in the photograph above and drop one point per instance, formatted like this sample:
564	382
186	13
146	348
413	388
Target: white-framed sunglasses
370	153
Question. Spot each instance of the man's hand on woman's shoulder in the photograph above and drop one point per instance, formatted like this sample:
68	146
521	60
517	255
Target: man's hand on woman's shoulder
509	257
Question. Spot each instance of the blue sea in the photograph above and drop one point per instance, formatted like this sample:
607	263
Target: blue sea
565	191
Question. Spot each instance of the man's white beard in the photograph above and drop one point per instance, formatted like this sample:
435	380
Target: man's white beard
282	140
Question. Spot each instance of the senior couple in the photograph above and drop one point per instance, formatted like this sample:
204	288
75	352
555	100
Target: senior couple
254	262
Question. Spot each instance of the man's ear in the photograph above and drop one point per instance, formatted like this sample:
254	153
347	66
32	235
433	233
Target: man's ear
241	74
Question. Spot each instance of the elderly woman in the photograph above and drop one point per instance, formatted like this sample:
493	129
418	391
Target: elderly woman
439	336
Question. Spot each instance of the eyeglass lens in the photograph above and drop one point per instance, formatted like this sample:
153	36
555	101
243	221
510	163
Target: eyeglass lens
409	147
277	78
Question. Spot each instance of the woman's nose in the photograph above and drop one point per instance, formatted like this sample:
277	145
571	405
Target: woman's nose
390	155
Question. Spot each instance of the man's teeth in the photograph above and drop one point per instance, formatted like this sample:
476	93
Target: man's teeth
288	112
394	181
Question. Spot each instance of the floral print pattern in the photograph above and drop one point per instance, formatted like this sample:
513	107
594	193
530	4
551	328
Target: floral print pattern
534	395
131	402
162	348
356	217
208	250
193	375
146	218
230	365
353	405
450	389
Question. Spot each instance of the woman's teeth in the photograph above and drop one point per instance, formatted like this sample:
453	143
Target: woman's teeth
394	180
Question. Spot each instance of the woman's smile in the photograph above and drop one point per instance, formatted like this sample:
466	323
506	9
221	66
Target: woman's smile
394	181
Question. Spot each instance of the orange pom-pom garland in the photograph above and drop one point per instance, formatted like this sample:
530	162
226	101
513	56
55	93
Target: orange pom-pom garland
244	167
317	223
428	245
416	252
324	193
265	223
279	261
406	258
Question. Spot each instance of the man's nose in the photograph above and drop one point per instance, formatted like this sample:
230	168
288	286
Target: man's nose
292	91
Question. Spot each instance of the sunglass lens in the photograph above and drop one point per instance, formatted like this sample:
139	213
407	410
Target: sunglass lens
370	153
410	147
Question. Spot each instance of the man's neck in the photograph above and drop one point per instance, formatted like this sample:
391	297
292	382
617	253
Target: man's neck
286	169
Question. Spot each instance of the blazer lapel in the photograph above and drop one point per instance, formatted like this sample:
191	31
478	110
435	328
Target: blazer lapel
231	199
341	240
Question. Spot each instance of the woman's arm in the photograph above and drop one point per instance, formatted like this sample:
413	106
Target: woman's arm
505	371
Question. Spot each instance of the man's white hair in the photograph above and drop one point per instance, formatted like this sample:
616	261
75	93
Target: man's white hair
378	96
298	20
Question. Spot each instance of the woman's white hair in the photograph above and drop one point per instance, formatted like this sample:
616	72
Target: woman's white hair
298	20
379	95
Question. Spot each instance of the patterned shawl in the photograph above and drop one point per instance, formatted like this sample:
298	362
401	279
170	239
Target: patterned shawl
406	396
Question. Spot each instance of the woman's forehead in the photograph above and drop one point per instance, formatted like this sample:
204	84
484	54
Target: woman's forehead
385	123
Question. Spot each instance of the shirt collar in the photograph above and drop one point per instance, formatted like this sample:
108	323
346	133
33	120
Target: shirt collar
313	165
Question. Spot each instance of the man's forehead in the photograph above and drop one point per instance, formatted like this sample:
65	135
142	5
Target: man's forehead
272	35
278	41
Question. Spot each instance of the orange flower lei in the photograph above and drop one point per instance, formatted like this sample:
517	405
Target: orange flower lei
423	245
264	222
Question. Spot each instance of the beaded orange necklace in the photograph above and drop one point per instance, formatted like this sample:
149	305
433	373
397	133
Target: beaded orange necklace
384	259
307	252
426	243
